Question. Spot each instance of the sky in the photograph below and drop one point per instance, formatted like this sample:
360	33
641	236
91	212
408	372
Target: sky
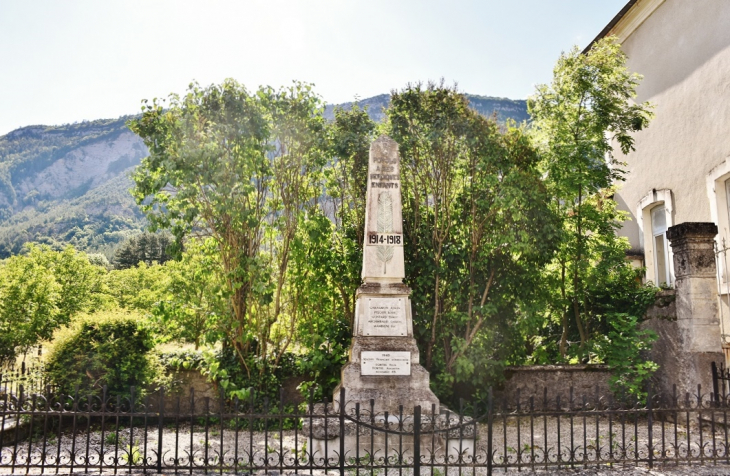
73	60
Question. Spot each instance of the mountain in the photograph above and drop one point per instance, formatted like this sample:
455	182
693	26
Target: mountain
70	184
515	109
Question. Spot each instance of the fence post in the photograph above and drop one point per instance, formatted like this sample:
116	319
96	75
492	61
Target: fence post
715	383
160	424
650	422
342	431
417	440
490	406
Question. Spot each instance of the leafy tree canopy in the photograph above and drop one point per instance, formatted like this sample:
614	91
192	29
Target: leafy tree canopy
43	290
478	227
243	169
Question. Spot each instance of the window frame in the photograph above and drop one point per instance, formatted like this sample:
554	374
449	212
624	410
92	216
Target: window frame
718	182
663	254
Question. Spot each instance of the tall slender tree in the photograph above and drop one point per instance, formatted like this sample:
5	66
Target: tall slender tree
578	119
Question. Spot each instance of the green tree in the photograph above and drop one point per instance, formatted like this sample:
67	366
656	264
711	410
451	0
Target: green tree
43	290
243	169
430	125
577	120
477	227
325	275
326	257
196	300
349	137
140	287
146	247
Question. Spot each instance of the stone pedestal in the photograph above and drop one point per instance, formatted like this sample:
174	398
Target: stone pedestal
384	362
384	359
697	342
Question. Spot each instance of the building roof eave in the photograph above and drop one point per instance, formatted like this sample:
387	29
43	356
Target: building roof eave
607	29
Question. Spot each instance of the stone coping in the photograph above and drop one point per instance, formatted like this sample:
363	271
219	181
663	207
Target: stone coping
383	288
686	229
558	368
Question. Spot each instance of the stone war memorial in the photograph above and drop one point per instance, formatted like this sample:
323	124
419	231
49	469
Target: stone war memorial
384	382
384	361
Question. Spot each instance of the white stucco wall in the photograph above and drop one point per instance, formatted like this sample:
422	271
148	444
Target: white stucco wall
683	51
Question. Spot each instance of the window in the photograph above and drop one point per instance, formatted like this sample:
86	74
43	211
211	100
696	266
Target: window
661	247
654	215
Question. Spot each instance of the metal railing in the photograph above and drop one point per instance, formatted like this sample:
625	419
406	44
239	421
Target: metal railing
47	433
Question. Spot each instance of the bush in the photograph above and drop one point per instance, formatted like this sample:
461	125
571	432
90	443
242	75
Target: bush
223	368
630	370
109	348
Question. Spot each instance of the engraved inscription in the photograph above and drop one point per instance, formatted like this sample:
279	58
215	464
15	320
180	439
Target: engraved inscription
385	363
385	317
385	239
386	174
383	184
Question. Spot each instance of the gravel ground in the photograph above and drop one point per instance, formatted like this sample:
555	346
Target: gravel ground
669	471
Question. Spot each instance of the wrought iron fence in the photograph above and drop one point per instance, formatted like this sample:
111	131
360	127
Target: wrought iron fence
720	381
47	433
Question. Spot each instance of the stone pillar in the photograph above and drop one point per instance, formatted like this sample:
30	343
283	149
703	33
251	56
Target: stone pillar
698	324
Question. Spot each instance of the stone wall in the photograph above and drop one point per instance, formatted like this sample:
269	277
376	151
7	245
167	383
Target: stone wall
664	308
666	351
185	380
532	380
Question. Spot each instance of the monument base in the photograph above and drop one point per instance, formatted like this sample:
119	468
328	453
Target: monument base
384	369
387	393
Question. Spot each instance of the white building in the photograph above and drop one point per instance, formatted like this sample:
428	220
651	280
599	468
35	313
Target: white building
680	171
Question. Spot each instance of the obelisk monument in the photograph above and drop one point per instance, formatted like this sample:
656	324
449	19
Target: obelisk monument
384	360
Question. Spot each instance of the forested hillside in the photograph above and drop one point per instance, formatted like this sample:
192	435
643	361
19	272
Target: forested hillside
69	184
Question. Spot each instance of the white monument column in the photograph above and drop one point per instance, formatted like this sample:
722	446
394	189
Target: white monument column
384	360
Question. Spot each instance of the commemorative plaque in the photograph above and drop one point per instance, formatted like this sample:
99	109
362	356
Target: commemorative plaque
385	317
385	363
